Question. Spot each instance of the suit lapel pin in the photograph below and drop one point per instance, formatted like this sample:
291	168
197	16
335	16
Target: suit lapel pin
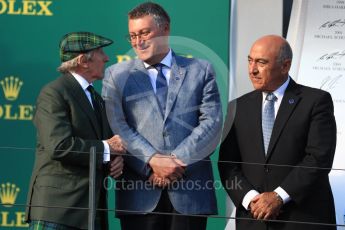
291	101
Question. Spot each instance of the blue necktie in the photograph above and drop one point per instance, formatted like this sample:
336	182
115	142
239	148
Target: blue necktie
268	119
161	86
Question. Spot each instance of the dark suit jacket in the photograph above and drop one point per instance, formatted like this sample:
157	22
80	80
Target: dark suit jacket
304	134
66	130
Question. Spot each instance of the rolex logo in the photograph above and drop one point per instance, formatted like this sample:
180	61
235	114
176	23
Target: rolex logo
8	194
11	87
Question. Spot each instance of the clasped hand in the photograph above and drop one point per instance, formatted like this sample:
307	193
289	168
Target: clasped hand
117	148
266	206
166	169
117	145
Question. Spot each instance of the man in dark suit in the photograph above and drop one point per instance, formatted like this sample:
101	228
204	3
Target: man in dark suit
167	108
275	160
70	119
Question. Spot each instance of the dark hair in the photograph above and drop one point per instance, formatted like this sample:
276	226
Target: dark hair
160	16
285	52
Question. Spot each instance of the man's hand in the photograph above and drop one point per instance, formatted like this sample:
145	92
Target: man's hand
159	181
117	145
116	167
266	206
167	167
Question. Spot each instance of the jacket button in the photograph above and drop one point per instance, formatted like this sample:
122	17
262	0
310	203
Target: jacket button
266	169
165	134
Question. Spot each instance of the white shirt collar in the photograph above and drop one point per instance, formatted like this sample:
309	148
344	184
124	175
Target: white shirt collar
83	83
166	60
279	93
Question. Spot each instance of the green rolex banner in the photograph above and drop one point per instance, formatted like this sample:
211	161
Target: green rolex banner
30	31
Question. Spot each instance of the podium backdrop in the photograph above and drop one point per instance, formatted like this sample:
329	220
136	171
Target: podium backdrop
316	34
30	31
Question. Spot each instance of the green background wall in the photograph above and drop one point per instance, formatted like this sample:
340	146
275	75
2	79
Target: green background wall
30	31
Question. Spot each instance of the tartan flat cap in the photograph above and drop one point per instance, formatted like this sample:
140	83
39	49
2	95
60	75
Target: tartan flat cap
75	43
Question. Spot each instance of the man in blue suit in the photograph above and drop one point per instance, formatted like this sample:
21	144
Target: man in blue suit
167	108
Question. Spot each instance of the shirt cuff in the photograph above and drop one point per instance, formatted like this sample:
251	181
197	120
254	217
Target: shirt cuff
283	194
106	154
248	198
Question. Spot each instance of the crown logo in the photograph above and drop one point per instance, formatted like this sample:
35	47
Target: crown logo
11	87
8	194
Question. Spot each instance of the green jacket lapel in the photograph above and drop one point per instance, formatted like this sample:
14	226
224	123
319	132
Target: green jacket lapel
80	96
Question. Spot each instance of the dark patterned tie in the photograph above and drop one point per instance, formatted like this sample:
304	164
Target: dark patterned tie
268	119
161	86
95	104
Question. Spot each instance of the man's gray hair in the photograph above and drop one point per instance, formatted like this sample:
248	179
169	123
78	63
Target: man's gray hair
285	53
72	64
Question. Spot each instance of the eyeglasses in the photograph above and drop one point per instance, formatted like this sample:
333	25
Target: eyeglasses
143	35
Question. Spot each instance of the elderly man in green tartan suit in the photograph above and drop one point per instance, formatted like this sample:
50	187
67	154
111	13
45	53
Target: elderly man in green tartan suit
70	118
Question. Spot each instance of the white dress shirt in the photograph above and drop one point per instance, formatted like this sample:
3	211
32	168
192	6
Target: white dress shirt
279	93
84	84
166	70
